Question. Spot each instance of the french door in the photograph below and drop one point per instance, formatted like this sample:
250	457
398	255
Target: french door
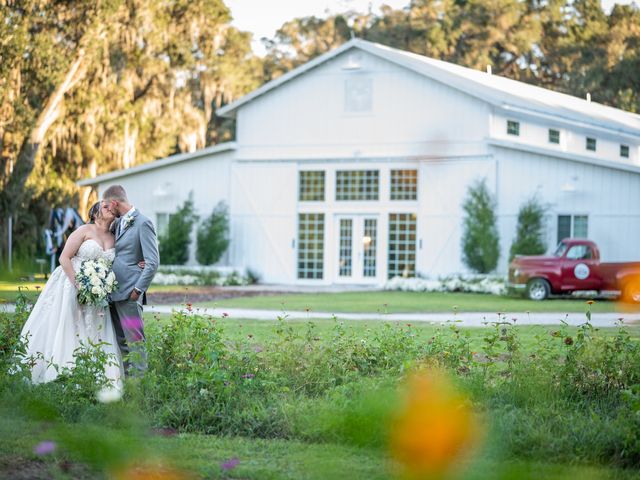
357	248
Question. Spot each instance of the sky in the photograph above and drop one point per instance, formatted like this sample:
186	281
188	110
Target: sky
264	17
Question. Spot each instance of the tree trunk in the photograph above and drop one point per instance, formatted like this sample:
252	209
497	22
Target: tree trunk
25	161
12	194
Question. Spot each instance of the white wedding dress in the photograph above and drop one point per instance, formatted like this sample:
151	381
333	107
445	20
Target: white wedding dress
58	324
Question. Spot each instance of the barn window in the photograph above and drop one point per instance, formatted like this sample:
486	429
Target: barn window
402	245
591	144
358	94
357	184
310	245
404	185
513	127
624	151
572	226
554	136
311	186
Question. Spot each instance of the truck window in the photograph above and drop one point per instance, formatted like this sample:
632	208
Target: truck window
580	252
562	247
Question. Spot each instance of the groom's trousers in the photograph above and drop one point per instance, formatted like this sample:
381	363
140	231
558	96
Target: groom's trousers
128	324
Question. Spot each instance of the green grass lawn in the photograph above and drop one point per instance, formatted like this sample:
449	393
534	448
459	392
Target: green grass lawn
407	302
363	302
202	456
264	331
9	289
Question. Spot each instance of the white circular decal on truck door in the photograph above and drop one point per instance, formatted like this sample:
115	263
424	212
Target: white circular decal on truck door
581	271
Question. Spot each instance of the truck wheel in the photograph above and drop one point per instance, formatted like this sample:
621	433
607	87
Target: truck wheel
538	289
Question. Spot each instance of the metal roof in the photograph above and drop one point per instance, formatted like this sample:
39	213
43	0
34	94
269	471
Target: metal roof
173	159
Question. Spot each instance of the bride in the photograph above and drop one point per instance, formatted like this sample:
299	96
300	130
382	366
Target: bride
58	324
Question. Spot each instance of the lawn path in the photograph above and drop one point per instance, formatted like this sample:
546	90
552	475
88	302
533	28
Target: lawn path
466	319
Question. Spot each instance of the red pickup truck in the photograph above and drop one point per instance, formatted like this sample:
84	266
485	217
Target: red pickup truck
574	266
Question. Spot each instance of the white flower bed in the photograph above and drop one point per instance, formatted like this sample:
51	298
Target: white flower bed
455	283
196	275
175	279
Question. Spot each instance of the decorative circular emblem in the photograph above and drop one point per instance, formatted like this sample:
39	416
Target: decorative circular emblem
581	271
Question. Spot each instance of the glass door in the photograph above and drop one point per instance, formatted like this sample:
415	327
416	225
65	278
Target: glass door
357	241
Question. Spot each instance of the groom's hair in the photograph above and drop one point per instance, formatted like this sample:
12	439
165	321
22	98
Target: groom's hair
115	192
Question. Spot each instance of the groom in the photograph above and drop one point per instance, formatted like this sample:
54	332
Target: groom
135	241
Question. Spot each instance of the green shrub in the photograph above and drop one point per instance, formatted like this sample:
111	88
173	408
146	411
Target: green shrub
530	230
480	240
174	244
213	236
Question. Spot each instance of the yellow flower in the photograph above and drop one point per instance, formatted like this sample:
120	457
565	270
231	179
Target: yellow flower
434	428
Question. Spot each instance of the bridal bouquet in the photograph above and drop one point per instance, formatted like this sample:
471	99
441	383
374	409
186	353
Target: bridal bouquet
95	281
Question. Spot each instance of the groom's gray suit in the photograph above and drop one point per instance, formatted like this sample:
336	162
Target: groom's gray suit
135	241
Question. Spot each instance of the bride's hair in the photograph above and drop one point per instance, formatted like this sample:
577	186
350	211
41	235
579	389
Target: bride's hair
94	212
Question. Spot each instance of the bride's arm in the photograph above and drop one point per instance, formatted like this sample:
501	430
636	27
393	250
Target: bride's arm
70	249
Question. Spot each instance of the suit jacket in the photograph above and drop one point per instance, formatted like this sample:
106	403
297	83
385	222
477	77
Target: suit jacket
135	243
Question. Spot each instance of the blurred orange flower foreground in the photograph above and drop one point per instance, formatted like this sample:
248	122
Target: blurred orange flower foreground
435	426
150	472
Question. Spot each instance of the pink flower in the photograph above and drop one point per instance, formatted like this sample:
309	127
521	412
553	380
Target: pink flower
134	324
225	315
230	464
46	447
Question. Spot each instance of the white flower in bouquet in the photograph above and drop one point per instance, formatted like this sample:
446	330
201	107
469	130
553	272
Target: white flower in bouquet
95	282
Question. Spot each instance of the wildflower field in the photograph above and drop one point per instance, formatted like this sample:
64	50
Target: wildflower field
328	399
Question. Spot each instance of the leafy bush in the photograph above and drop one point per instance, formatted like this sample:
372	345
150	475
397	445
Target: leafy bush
480	240
530	230
213	236
174	244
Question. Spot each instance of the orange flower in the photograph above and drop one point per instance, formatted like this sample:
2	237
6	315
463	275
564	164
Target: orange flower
590	302
434	427
151	472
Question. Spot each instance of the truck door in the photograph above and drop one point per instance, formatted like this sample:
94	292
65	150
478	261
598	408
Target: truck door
580	269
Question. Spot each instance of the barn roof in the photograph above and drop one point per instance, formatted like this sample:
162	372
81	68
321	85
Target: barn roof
495	89
173	159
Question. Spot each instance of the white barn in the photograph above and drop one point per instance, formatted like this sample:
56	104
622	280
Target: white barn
353	167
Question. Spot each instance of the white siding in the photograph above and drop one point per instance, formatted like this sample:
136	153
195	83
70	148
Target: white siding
163	190
443	187
410	115
535	132
611	199
263	219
